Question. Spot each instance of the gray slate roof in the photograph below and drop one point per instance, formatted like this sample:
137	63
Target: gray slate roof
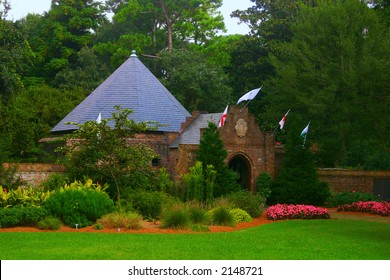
191	135
131	86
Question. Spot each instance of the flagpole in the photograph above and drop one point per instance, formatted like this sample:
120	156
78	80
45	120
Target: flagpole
245	105
273	133
283	119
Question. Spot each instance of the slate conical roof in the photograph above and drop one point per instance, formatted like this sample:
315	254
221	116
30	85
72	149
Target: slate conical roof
134	87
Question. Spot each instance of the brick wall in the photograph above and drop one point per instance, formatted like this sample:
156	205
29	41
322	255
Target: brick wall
35	173
341	180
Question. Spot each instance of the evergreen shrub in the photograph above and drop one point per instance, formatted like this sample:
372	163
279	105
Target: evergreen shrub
342	198
49	222
298	181
148	203
240	215
21	216
79	204
247	201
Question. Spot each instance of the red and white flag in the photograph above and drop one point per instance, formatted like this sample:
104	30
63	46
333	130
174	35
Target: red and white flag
283	120
223	117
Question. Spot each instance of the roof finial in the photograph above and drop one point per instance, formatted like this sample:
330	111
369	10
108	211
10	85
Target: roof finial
133	53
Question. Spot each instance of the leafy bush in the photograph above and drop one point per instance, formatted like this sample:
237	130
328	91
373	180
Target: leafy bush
9	217
127	220
240	215
22	196
290	211
9	177
199	183
251	203
373	207
55	181
337	199
222	216
263	184
21	216
79	203
148	203
49	222
176	218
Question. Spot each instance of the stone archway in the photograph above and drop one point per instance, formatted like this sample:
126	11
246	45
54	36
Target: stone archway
242	166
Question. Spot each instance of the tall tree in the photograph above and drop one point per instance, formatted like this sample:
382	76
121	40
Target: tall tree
334	73
6	8
212	152
65	29
176	20
104	153
29	117
298	181
15	57
198	86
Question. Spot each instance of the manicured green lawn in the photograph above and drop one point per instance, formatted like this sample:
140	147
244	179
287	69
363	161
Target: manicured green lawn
287	240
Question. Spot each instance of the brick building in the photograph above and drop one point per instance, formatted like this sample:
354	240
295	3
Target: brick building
133	86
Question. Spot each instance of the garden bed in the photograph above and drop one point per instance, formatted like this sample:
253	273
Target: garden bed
147	227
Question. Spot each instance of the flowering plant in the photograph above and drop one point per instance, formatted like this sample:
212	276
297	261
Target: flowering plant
373	207
291	211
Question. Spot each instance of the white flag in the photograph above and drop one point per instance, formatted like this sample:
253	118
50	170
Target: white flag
223	117
304	133
305	130
99	118
250	95
283	120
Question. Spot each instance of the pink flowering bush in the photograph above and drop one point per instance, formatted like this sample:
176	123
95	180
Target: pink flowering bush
373	207
291	211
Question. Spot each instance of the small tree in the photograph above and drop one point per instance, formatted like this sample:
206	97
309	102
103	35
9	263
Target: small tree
212	152
298	181
105	154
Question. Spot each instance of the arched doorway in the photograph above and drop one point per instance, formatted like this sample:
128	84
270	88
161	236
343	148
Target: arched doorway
241	165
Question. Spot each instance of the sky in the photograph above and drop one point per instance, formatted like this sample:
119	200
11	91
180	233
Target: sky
20	8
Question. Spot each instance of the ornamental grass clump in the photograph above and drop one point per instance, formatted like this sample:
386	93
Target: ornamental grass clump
373	207
127	220
221	216
291	211
176	218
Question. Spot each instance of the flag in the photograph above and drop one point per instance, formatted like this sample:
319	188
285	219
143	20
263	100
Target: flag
223	117
305	131
99	118
283	120
250	95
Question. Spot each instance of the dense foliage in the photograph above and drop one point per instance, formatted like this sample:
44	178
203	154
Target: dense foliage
298	181
102	152
79	205
21	216
326	60
211	152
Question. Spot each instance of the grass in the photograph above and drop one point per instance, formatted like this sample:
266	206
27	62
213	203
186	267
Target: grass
287	240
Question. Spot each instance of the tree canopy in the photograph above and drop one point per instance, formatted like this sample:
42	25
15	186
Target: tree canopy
326	60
